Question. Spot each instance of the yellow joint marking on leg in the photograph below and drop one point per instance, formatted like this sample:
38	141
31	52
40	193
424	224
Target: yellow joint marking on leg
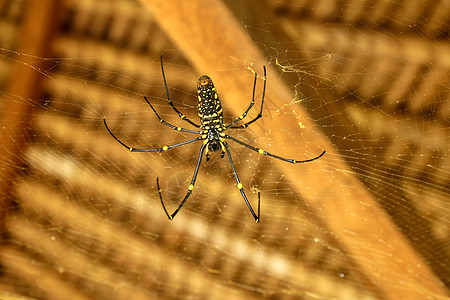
222	140
222	133
165	148
204	136
257	220
205	141
170	218
183	116
191	187
294	161
260	151
239	185
241	117
161	120
131	149
178	128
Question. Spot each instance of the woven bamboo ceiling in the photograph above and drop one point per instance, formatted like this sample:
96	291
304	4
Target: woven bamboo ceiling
366	81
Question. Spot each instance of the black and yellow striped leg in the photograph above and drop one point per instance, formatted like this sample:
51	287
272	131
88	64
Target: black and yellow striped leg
164	148
241	188
182	116
190	188
231	125
170	125
261	151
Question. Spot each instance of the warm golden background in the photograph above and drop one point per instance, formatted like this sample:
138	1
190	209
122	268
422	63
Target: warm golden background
367	81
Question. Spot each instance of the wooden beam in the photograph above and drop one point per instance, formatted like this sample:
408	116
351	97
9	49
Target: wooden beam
216	44
23	91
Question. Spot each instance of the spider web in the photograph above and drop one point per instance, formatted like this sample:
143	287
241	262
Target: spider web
86	219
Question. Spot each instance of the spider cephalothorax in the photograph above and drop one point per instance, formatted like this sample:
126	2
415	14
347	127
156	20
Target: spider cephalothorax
212	133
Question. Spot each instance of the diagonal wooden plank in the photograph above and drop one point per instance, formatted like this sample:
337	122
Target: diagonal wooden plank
215	43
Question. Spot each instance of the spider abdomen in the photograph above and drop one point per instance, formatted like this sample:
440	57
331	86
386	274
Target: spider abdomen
209	106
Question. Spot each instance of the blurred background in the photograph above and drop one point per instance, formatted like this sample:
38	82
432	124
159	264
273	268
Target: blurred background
367	81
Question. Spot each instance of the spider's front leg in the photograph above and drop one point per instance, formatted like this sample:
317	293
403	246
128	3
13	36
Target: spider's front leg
190	188
241	188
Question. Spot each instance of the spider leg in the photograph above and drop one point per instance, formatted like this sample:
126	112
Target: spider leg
241	189
182	116
261	151
190	188
168	124
231	125
164	148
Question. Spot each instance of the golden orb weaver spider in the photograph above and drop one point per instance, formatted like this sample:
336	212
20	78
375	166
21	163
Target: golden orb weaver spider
212	133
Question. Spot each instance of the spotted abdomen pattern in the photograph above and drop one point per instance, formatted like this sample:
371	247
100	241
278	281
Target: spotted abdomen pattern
209	107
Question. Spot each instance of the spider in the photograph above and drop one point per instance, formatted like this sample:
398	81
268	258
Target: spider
212	133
